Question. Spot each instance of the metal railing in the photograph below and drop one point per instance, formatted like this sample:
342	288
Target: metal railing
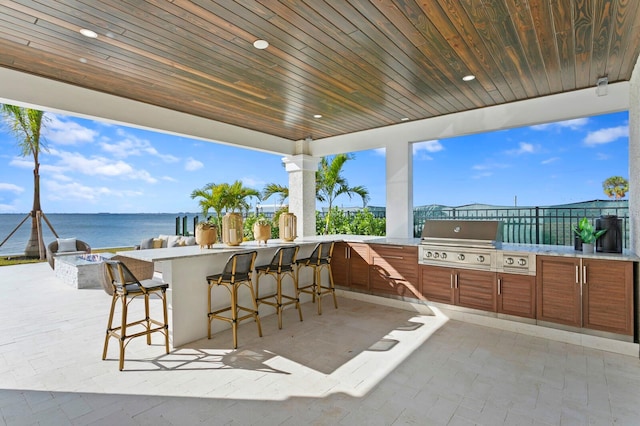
530	225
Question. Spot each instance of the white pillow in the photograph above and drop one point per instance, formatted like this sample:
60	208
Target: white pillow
173	241
66	245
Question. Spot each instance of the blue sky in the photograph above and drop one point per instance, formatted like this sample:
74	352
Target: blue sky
93	166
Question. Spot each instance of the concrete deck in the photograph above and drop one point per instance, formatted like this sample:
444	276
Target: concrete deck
362	364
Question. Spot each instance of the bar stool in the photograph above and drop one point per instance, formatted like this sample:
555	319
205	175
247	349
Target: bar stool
236	272
319	260
127	287
281	265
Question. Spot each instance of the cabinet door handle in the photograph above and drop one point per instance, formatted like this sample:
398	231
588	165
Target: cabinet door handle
457	281
499	286
394	257
451	281
577	277
584	274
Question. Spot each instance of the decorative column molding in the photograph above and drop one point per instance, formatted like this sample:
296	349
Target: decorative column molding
399	203
634	159
302	191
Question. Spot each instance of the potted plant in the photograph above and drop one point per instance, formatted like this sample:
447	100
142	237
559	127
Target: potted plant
587	234
206	233
235	200
262	229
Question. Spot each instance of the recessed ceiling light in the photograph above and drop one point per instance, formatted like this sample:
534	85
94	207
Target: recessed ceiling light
261	44
83	60
404	119
317	116
468	77
88	33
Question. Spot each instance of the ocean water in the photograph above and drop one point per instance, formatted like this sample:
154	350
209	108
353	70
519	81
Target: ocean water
100	230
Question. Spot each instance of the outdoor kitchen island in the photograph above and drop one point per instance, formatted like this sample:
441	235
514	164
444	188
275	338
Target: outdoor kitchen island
185	270
510	294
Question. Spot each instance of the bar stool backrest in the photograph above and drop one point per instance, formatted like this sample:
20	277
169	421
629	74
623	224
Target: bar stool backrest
239	266
321	253
283	259
122	279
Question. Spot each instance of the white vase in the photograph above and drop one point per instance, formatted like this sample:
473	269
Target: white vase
588	248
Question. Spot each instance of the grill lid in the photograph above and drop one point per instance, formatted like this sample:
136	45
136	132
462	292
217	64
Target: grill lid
468	233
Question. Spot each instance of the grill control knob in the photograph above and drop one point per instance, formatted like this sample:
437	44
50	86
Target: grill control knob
461	257
444	255
480	258
436	255
509	260
522	262
428	254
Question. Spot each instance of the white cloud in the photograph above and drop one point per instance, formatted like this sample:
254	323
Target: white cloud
550	160
7	208
168	179
575	124
21	162
130	145
56	191
98	166
482	175
380	151
524	148
252	182
608	135
429	146
490	166
65	132
192	164
9	187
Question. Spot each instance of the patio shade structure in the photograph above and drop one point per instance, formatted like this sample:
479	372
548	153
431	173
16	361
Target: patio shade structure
335	76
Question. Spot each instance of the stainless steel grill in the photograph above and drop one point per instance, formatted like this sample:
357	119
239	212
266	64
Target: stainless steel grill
471	244
463	244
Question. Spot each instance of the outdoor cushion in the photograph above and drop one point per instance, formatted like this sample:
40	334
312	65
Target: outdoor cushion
173	241
146	243
66	245
158	243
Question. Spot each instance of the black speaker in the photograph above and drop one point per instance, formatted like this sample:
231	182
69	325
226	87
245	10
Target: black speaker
610	241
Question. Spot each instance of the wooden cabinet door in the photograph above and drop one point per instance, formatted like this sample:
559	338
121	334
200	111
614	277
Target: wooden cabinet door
394	270
436	283
340	264
607	295
517	295
475	289
558	290
359	266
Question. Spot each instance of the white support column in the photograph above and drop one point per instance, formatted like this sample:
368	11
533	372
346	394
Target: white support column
634	159
302	191
399	156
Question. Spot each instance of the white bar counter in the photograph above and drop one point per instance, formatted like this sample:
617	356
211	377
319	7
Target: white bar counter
185	270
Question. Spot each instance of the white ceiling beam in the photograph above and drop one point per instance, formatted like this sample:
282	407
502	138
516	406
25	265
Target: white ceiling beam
552	108
30	91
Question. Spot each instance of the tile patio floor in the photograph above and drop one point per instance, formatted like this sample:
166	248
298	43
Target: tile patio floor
362	364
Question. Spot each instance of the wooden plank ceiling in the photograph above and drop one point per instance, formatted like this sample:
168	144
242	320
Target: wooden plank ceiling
360	64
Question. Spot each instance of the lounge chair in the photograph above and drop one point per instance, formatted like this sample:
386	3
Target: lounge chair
52	249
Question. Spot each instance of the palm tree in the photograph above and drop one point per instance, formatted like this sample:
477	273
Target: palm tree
236	196
27	124
275	189
330	184
615	186
212	196
223	197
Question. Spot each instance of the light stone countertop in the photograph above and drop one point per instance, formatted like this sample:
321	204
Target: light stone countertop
161	254
568	251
